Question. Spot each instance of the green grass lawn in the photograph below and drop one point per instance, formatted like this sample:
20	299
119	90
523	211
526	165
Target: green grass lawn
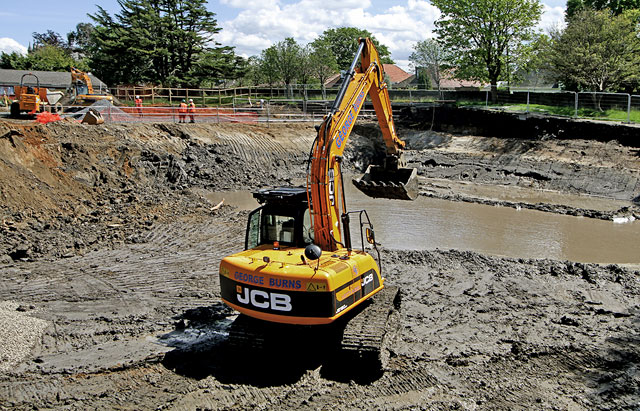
613	115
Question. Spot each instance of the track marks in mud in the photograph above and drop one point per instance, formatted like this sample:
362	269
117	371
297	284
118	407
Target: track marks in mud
264	148
105	304
530	333
477	331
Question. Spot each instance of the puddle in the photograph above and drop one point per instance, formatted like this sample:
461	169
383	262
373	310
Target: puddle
197	337
241	199
428	223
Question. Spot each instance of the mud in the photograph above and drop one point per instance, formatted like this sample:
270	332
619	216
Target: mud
69	188
110	250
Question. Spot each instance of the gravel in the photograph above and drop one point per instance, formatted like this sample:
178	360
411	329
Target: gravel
19	333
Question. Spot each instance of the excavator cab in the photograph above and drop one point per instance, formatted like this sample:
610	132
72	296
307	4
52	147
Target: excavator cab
83	91
283	218
81	88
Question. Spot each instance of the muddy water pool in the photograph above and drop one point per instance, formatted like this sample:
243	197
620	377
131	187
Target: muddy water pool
427	224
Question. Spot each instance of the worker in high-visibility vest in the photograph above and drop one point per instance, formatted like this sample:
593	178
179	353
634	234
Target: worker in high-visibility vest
192	110
182	111
138	102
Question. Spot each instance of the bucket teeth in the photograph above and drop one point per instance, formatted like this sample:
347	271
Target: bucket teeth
378	182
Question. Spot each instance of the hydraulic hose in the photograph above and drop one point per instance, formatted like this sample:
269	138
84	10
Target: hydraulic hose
347	78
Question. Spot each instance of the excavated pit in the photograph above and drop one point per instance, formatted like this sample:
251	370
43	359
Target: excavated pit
109	251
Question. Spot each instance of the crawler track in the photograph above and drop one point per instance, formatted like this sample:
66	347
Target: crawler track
359	343
367	335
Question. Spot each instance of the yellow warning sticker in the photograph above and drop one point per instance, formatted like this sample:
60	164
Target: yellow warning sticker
316	286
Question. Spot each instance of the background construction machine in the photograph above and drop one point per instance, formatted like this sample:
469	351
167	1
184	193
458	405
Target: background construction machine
29	99
299	268
82	89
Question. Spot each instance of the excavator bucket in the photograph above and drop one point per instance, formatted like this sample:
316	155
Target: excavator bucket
379	182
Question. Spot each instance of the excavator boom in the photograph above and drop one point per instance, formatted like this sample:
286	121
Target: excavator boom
391	180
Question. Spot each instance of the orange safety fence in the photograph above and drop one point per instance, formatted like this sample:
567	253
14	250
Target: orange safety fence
171	114
46	117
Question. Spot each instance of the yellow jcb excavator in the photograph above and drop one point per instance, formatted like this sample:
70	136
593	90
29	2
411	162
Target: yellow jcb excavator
83	92
299	266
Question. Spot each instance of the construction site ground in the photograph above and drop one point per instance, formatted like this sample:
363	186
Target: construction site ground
109	253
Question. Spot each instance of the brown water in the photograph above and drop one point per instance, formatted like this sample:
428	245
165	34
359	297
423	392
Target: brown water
522	194
426	224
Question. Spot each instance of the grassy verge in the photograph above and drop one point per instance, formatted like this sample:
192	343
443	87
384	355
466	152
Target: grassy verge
612	115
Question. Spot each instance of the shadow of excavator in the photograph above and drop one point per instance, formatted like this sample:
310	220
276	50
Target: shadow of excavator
202	347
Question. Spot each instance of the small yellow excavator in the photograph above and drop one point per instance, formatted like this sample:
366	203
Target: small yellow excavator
300	268
83	92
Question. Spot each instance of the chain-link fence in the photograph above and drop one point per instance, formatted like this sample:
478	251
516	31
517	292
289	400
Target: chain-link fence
594	105
305	102
263	111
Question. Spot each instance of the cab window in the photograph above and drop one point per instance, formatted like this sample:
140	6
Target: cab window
278	228
307	228
252	238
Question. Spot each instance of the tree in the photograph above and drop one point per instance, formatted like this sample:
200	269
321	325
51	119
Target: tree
287	60
155	40
305	71
616	6
49	53
218	67
79	41
423	78
430	56
115	55
254	73
343	42
596	51
323	62
533	69
269	65
13	61
51	58
483	36
49	38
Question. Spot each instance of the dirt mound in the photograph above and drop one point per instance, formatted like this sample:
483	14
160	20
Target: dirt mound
66	187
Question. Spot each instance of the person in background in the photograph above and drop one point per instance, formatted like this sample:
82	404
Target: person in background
192	110
182	111
138	102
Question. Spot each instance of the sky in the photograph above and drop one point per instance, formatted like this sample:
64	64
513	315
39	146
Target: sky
253	25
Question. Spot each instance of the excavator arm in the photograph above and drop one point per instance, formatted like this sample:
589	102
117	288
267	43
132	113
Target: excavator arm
324	178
